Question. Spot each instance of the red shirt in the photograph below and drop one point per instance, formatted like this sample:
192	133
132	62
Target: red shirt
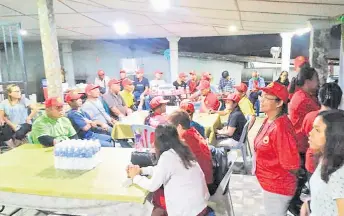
276	154
193	86
307	126
211	102
200	149
301	103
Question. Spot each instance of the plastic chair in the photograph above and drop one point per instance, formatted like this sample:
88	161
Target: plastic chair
249	119
146	134
222	197
221	104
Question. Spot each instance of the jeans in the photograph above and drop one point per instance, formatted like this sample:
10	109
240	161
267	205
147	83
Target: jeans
105	140
257	107
146	102
276	204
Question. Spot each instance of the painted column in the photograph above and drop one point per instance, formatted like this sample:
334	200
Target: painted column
286	50
68	64
341	66
319	47
50	48
174	69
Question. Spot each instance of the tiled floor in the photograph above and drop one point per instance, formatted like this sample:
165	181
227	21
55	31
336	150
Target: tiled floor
245	190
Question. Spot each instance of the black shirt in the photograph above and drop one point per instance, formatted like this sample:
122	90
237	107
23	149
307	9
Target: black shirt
237	120
177	85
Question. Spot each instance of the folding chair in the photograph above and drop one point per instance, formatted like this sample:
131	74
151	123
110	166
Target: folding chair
145	132
249	119
222	197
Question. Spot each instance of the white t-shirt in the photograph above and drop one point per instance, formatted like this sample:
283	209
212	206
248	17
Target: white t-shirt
186	191
154	84
324	195
102	83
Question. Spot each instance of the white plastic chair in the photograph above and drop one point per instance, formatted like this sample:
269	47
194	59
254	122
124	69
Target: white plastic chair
145	132
221	104
249	119
222	197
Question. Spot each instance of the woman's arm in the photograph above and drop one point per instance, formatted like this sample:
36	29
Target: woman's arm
34	110
340	206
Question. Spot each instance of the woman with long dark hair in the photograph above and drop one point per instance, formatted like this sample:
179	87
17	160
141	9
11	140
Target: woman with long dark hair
277	161
184	184
327	182
283	78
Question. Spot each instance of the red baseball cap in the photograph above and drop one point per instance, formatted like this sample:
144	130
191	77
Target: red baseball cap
299	61
158	72
278	90
53	102
182	74
122	71
72	95
113	81
203	84
188	107
127	81
233	97
157	101
90	87
241	88
192	73
101	73
206	76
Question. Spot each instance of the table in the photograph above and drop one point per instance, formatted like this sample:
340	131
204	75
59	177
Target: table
28	177
122	129
210	122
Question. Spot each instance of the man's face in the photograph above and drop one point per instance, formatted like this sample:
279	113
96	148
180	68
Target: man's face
254	74
129	88
74	104
230	105
55	112
139	75
183	78
158	76
204	92
193	76
101	77
94	93
115	88
123	75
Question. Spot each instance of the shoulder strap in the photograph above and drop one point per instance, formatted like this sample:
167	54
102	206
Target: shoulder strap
99	111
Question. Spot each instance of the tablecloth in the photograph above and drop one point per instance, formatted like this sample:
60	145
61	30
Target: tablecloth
210	122
122	129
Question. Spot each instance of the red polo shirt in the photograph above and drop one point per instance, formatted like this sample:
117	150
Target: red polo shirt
192	86
307	126
276	154
200	149
301	103
211	102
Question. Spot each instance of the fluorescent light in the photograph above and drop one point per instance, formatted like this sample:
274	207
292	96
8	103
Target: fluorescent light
303	31
121	27
160	5
233	28
22	32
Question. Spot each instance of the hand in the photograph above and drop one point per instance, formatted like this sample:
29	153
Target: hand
105	127
93	124
142	97
2	122
133	171
28	120
139	108
121	116
129	111
304	209
113	121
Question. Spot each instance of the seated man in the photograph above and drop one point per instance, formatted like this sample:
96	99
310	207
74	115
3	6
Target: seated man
236	121
158	112
127	93
190	109
114	100
52	127
209	101
181	81
94	107
82	123
157	82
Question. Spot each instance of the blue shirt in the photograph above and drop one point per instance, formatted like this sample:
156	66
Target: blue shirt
17	113
140	87
198	127
78	119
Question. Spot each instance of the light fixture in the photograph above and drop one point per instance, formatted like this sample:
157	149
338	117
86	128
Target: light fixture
121	27
160	5
233	28
303	31
22	32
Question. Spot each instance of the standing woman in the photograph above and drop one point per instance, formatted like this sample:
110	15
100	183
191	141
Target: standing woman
283	78
14	112
327	182
277	161
177	170
302	103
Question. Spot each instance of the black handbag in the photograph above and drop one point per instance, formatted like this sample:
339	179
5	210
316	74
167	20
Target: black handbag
6	132
143	159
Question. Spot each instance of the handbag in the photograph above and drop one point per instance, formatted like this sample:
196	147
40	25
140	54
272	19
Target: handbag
143	159
6	132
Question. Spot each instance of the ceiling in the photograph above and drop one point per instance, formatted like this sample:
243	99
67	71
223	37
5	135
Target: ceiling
93	19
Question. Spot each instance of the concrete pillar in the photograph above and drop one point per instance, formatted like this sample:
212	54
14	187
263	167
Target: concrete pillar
50	47
319	47
341	66
174	69
286	50
68	64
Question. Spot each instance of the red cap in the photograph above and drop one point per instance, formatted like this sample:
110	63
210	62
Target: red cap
139	71
122	71
192	73
90	87
157	101
158	72
53	102
188	107
182	74
203	84
206	76
241	88
278	90
72	95
126	82
113	81
299	61
233	97
101	73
